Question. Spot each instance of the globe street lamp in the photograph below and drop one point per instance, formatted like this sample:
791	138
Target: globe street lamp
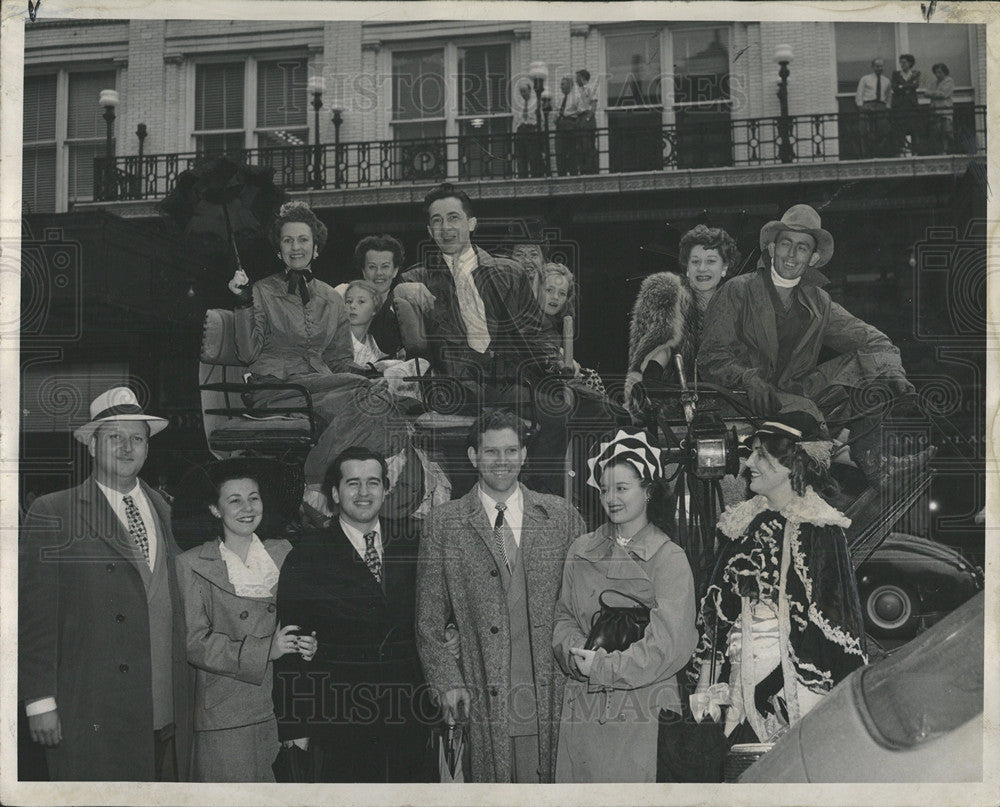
783	57
109	101
316	87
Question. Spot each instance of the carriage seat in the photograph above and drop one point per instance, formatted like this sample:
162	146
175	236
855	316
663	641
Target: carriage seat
232	425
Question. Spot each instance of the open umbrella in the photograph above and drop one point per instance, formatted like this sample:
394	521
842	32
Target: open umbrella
221	199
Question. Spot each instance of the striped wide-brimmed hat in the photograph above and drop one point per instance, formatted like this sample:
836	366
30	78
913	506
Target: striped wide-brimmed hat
119	403
627	447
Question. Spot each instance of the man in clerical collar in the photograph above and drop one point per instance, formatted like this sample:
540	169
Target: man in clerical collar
764	332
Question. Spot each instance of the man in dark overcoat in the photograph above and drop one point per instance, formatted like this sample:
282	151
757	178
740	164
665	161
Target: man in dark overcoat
102	666
359	711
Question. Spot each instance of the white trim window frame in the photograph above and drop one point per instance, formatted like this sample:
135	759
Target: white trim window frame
449	113
965	93
248	132
61	144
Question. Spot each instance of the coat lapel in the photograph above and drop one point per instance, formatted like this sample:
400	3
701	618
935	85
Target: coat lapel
210	565
763	311
104	524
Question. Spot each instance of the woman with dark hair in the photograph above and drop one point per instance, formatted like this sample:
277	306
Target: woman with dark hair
228	586
905	106
943	107
669	309
781	612
292	327
613	698
377	259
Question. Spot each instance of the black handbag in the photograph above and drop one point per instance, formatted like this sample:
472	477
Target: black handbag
616	628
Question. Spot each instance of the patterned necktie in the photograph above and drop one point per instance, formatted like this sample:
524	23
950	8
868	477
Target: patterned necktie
372	560
498	538
136	526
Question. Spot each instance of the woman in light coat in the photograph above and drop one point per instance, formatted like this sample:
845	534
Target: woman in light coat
228	586
612	701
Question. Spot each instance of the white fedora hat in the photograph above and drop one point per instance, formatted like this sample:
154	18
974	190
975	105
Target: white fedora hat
118	403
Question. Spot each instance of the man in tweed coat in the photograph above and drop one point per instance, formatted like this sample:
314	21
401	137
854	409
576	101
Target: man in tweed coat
492	561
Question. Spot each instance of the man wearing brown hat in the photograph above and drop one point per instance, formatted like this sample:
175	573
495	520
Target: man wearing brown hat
764	332
102	664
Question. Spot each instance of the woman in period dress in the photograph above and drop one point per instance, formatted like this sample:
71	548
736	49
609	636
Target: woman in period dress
782	608
613	700
292	327
228	587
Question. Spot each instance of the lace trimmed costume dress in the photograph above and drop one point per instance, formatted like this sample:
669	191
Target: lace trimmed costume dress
784	603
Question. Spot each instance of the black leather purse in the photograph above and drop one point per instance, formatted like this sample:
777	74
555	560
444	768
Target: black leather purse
616	628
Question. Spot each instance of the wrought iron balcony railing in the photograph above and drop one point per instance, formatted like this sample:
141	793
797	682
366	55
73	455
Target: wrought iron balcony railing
632	142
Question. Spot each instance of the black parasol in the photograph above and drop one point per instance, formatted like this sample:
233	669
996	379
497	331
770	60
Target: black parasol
222	199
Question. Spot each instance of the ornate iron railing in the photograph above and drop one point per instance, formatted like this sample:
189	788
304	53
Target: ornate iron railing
628	144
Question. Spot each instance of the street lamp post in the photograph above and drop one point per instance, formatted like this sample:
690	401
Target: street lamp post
140	132
546	110
338	118
539	71
316	87
109	101
783	57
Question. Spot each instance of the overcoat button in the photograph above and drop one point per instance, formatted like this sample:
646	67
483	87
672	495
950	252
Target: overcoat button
123	668
270	609
494	629
494	573
119	617
244	615
493	691
110	567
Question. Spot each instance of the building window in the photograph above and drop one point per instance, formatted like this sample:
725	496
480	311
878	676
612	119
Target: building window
635	104
63	131
38	171
452	90
858	43
269	92
702	108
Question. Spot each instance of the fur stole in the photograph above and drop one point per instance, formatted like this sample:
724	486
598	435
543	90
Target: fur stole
664	313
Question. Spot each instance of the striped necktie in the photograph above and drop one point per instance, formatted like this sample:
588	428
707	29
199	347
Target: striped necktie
498	537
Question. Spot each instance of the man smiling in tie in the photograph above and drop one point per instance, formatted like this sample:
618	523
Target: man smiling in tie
103	666
493	559
353	713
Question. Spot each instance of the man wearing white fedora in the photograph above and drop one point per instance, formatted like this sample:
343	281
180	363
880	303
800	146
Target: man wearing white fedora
764	331
102	664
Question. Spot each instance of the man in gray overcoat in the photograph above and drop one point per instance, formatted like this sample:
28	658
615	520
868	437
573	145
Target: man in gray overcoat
492	562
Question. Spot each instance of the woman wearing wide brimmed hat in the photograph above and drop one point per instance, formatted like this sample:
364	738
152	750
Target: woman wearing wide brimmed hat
228	586
781	612
613	698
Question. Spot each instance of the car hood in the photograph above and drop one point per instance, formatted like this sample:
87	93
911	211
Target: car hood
903	546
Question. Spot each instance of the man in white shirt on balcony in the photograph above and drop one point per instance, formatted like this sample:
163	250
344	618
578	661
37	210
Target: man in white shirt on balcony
527	140
586	122
873	99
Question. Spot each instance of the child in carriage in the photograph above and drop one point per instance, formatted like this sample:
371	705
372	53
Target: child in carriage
363	301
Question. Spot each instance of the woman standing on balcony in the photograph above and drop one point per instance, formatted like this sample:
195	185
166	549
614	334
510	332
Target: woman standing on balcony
905	106
293	328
